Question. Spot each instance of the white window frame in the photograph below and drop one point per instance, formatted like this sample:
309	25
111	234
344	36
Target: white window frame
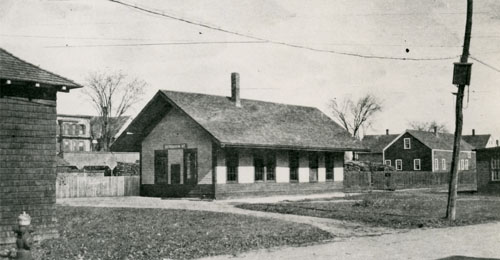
443	164
495	168
466	164
436	164
409	143
415	168
400	168
461	165
387	162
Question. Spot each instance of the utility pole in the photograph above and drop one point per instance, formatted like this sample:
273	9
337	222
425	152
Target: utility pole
461	77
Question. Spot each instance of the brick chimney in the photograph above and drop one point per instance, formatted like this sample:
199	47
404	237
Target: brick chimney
235	88
386	131
497	143
473	132
435	131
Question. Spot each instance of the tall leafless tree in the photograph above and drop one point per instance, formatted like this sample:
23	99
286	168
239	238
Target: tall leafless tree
356	115
112	95
428	126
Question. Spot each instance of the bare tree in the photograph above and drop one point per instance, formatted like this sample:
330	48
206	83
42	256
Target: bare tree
112	95
428	126
356	115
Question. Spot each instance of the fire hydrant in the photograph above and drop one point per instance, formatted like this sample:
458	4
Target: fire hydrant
24	239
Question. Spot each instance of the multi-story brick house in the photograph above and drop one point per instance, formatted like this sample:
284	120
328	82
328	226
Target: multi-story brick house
28	145
427	151
205	145
73	133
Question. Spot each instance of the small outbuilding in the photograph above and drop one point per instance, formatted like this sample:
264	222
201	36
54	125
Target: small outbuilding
205	145
28	126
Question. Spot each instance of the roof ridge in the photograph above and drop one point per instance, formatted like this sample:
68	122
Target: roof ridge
256	100
76	85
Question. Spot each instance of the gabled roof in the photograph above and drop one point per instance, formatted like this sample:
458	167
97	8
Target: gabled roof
441	141
14	68
478	141
376	143
254	124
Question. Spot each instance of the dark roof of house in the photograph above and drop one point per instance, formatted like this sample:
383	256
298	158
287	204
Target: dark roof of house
254	124
478	141
377	143
14	68
441	141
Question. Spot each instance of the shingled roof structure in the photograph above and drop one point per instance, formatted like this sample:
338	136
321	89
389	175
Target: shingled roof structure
253	124
376	143
478	141
14	68
441	141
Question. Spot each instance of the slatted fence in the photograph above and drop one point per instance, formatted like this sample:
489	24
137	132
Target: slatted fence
91	186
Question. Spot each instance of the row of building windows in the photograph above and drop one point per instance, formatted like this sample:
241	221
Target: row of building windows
73	129
417	166
75	146
265	166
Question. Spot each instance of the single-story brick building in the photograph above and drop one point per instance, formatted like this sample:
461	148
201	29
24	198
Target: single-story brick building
488	170
205	145
28	145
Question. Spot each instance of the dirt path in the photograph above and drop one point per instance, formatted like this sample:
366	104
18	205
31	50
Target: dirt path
341	229
479	241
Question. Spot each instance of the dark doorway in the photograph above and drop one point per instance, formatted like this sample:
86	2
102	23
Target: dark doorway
175	171
161	166
190	167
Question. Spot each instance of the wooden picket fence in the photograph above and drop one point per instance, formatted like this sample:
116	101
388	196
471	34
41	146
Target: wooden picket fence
407	180
90	186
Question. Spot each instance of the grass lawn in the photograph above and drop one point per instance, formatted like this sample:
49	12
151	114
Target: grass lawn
393	209
125	233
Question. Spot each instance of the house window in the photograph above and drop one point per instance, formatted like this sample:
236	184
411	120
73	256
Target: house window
436	164
443	164
466	164
469	155
258	163
495	169
416	164
407	144
232	165
399	165
74	146
329	166
66	146
81	130
461	166
387	162
293	160
270	166
313	167
66	129
81	147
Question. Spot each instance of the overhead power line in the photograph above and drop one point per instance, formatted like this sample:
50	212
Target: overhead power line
484	63
155	44
263	40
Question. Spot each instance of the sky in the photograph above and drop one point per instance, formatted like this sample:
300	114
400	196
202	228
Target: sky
74	38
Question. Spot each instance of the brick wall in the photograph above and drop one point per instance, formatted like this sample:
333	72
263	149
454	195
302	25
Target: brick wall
27	170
